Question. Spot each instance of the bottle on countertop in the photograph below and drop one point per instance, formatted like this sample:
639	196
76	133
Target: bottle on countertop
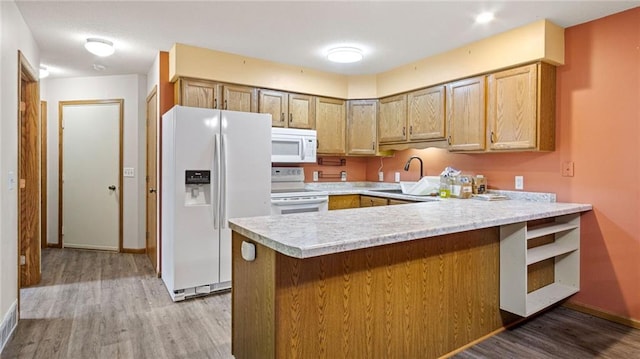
479	184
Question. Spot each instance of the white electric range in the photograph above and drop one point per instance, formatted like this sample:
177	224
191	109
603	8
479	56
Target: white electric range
288	193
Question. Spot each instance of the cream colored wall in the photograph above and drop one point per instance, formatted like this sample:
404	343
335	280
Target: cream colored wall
203	63
541	40
131	88
15	35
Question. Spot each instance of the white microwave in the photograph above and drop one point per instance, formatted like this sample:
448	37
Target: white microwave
292	145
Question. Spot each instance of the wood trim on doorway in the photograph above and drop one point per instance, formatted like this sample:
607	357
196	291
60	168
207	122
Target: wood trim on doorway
28	184
61	104
43	174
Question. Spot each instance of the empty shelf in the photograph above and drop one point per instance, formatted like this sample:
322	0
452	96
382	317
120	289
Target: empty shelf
549	228
538	254
546	296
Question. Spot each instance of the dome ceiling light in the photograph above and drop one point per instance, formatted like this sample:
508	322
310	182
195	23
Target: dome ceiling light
484	17
344	55
99	47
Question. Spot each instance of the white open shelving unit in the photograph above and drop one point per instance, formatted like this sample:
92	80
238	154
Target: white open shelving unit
515	258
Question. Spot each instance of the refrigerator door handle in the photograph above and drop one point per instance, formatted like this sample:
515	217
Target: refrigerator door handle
216	185
223	180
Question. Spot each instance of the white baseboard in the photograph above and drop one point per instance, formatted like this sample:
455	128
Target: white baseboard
8	325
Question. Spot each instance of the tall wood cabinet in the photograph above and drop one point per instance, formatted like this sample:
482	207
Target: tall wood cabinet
211	94
521	108
392	121
288	109
331	125
426	114
466	114
361	127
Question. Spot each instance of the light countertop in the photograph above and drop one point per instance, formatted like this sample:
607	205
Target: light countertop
314	234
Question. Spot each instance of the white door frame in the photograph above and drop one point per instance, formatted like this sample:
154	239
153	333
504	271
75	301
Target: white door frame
61	104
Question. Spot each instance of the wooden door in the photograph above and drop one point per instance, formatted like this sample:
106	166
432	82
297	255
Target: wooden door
275	103
151	232
331	125
392	122
302	111
43	174
28	175
239	98
511	109
198	93
466	114
90	174
361	127
426	114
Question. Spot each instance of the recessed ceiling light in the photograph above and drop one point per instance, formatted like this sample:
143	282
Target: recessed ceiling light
44	72
99	47
484	17
344	55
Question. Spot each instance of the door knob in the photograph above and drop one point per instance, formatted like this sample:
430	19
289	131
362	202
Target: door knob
112	187
152	190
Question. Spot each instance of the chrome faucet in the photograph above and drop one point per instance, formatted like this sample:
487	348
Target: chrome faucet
406	165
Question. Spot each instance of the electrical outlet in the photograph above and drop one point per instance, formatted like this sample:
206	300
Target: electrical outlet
397	177
519	182
381	176
567	169
343	176
315	176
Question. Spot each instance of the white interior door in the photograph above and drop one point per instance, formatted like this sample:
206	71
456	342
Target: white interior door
91	185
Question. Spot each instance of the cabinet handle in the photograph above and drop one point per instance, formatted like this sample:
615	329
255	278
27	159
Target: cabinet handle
225	104
404	130
290	117
491	137
449	140
282	117
411	130
215	103
373	145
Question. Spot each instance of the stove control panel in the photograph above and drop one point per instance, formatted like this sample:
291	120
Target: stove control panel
287	174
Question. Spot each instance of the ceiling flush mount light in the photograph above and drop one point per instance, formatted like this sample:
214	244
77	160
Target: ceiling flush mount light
484	17
44	72
344	55
99	47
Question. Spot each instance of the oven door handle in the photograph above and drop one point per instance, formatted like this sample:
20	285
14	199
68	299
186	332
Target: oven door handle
285	202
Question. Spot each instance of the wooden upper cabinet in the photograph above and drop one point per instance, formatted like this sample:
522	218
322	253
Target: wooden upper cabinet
331	125
426	114
275	103
392	121
301	111
466	114
197	93
361	127
287	109
519	115
239	98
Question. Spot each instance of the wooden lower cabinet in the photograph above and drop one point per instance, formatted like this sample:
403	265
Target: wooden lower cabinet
393	201
344	201
418	299
371	201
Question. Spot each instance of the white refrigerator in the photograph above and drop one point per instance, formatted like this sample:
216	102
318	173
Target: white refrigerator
216	165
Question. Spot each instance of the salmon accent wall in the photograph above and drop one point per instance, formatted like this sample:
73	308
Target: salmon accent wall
356	168
598	128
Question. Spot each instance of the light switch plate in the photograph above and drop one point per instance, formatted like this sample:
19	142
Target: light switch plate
128	172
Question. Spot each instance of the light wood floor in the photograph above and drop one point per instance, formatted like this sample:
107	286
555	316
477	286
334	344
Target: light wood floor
107	305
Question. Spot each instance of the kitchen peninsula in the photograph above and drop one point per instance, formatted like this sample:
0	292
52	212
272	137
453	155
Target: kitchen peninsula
411	281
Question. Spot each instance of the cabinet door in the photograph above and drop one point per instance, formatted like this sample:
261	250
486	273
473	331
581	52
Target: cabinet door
301	111
344	201
465	114
369	201
511	109
361	127
275	103
393	201
392	122
198	93
331	125
426	114
239	98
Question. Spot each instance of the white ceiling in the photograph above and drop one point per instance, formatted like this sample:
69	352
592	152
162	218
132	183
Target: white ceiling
391	33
